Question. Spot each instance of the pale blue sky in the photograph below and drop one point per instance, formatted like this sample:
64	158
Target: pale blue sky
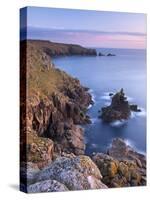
88	28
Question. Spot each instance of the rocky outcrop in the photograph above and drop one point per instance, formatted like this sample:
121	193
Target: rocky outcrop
101	54
74	173
110	54
135	108
119	108
121	166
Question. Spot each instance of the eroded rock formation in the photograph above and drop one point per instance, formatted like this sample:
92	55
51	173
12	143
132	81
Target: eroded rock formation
119	108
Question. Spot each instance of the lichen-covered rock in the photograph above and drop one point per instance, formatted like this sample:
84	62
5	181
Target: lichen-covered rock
47	186
77	173
122	167
39	150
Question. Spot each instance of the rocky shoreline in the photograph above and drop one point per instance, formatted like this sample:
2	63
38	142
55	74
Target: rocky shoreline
52	140
121	166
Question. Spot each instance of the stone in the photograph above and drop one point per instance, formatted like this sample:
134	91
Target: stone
77	173
119	109
101	54
110	54
121	166
47	186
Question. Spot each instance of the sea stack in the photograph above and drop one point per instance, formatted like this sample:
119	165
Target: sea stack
119	109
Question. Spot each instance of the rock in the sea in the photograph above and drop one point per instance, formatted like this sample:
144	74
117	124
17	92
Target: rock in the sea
47	186
110	54
135	108
111	94
122	166
101	54
118	110
76	173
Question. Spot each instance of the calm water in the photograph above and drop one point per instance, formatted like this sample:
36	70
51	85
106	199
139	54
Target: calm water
108	74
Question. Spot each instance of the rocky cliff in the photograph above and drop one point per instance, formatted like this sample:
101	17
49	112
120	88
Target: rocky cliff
53	105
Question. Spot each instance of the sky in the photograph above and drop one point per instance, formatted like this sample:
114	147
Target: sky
87	28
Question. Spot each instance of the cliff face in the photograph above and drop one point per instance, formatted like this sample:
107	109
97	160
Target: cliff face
55	105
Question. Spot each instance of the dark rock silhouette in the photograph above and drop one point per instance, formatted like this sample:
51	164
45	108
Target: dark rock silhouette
110	54
101	54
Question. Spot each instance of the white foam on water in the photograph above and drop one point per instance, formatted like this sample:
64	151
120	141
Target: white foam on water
94	145
118	123
89	106
107	93
93	120
107	103
141	114
133	146
92	94
105	97
129	143
130	99
138	114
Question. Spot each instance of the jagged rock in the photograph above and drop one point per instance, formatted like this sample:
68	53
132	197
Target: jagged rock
47	186
122	167
119	109
76	173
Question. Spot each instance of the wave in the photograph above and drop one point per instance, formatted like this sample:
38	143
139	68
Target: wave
92	94
89	106
133	146
118	123
94	145
105	97
93	120
130	99
129	143
107	103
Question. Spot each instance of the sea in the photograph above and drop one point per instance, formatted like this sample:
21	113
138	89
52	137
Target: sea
108	74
